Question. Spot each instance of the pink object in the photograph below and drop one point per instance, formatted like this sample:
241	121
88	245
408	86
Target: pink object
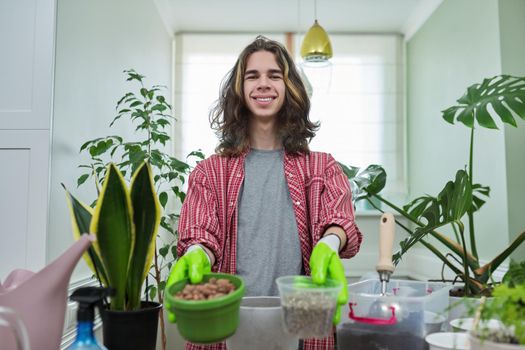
372	320
40	299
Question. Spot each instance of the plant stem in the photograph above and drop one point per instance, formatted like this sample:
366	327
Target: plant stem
455	233
466	278
161	300
97	185
470	213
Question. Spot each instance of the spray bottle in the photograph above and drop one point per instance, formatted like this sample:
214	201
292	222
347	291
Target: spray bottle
87	298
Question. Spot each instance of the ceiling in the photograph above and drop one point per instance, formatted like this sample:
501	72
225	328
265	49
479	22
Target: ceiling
363	16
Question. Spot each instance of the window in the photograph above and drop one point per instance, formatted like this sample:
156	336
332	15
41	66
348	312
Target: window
360	110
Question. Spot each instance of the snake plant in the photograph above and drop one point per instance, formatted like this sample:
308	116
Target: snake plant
125	222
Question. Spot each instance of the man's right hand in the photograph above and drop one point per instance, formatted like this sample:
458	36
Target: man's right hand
193	265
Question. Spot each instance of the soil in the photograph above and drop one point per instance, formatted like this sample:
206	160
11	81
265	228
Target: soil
374	341
460	292
406	335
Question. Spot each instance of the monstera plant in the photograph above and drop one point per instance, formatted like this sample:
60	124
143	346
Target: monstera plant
460	198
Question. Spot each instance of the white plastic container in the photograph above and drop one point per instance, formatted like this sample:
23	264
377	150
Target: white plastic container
392	322
308	308
448	341
261	326
467	324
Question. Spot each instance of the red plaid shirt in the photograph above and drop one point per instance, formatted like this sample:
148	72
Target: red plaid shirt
320	193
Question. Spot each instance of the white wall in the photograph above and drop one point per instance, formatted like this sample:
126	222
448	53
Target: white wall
512	38
96	40
455	48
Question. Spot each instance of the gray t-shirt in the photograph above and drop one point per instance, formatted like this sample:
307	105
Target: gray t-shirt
267	237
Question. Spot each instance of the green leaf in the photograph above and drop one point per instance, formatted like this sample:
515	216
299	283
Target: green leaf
86	144
82	179
163	251
81	216
162	285
163	198
515	275
506	95
369	181
350	171
449	206
163	122
146	219
178	165
197	154
129	94
483	117
479	195
449	114
112	222
159	107
377	176
153	292
132	75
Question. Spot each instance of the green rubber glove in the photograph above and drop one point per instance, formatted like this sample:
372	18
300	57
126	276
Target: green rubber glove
192	265
324	262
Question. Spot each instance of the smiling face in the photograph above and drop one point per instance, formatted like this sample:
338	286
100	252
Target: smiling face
264	88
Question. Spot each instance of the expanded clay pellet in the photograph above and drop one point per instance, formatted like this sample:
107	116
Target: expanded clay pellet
212	289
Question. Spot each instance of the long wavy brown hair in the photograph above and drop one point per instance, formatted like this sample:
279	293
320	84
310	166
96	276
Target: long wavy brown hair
230	116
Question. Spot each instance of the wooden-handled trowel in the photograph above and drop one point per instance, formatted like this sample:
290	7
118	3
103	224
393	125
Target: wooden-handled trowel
384	266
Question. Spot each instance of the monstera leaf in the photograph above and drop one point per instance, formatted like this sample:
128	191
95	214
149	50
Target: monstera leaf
448	207
504	94
416	207
364	183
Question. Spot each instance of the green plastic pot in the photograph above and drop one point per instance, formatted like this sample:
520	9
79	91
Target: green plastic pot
207	321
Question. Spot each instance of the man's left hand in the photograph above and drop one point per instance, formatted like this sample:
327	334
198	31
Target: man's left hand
324	262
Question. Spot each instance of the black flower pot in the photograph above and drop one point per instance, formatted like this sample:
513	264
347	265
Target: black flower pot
131	330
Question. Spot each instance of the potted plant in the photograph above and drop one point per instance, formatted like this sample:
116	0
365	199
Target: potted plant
125	222
148	111
460	198
507	306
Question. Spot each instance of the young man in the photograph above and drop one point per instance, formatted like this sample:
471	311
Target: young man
265	206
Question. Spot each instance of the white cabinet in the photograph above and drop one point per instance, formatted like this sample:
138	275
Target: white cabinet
27	29
24	177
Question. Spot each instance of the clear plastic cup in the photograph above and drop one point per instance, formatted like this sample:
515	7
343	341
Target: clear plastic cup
308	308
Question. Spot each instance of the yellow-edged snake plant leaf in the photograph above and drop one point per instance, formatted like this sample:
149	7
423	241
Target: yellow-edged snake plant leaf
505	94
112	222
81	215
146	217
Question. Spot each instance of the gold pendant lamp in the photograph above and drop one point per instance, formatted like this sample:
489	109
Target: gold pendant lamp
316	47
